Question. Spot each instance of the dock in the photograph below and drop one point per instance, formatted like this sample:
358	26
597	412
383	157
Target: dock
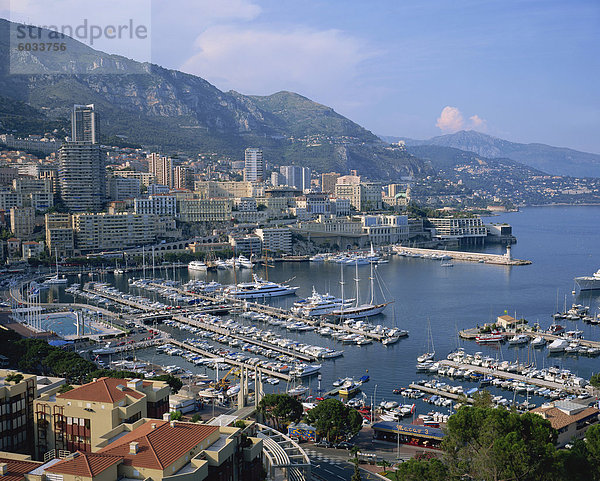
472	333
227	332
515	377
439	392
498	259
202	352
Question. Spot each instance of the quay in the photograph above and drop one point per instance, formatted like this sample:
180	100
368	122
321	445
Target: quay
504	260
438	392
472	333
227	332
259	369
515	377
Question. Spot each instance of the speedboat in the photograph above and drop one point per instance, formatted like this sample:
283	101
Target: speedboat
539	341
489	338
519	339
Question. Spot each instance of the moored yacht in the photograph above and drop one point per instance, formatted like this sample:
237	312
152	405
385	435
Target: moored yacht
319	304
259	289
197	266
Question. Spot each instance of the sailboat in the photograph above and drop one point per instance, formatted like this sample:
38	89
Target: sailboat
394	334
56	279
430	353
360	310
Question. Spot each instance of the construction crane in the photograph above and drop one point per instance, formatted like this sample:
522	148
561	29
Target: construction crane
223	383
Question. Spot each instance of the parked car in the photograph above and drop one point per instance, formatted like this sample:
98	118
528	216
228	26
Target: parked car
344	445
323	443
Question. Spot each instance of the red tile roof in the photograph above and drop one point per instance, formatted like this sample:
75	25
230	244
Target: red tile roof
85	464
160	447
16	468
103	390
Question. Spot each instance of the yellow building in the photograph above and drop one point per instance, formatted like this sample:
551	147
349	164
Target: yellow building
77	419
59	234
204	210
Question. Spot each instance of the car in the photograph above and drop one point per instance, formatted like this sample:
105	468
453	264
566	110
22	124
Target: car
344	445
323	443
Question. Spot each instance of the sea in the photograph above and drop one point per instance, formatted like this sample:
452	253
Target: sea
561	241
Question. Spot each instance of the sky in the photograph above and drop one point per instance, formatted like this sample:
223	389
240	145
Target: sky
526	71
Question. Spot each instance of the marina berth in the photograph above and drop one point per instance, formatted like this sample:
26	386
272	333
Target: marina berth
197	266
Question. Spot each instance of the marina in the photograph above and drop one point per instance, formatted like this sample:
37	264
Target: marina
420	289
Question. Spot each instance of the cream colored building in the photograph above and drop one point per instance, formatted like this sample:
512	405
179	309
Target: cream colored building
113	231
204	210
22	221
78	419
569	418
364	196
59	234
227	189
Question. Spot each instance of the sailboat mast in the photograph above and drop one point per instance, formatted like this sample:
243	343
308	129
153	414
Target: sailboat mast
371	278
143	263
342	286
356	279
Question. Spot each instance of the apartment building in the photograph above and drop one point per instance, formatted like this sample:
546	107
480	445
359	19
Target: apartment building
22	221
145	178
82	176
32	249
228	189
59	234
16	411
364	196
156	204
328	181
254	165
385	229
121	188
78	419
162	168
151	449
247	245
277	239
113	231
204	210
27	192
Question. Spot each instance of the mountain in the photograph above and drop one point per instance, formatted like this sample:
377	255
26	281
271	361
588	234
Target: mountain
553	160
173	111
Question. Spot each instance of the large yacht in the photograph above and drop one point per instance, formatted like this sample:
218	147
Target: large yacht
588	283
197	266
259	289
319	304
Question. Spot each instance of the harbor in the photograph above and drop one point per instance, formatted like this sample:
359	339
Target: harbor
184	307
483	258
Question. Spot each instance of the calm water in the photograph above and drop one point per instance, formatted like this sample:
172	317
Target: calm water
562	242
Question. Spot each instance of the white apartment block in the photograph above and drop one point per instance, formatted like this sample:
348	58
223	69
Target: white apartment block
121	188
156	204
385	229
277	239
145	178
254	165
59	234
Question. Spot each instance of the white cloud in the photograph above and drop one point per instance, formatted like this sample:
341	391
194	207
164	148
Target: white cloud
451	120
264	60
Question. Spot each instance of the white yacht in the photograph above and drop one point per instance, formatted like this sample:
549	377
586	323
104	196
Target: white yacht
519	339
259	289
56	279
539	341
198	266
319	304
558	345
240	262
588	283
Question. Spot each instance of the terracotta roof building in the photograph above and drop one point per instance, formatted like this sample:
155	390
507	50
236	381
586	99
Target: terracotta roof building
15	467
77	419
569	418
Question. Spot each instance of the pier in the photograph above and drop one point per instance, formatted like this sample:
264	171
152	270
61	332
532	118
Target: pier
498	259
439	392
515	377
227	332
472	333
259	369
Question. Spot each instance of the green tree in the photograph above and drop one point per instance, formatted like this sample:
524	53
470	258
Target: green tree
176	415
65	388
422	470
174	382
356	475
595	380
333	419
196	417
16	378
280	409
483	399
491	444
592	437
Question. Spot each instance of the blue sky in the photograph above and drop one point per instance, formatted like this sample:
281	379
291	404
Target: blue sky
527	70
